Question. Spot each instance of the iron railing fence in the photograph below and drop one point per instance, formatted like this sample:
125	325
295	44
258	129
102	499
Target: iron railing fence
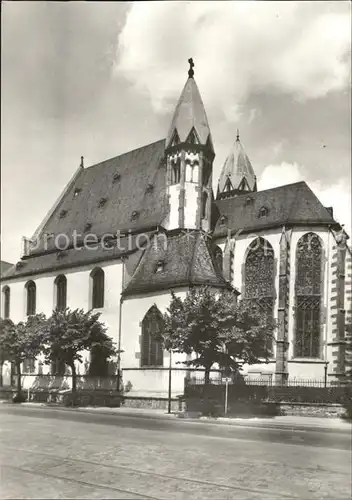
269	382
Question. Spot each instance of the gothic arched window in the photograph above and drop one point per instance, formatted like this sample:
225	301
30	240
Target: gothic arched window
175	171
98	280
218	257
6	301
31	297
98	366
259	276
151	348
308	291
61	292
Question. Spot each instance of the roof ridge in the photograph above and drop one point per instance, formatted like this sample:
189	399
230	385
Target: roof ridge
124	154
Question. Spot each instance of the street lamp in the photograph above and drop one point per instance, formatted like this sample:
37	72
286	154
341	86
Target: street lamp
224	347
170	373
326	373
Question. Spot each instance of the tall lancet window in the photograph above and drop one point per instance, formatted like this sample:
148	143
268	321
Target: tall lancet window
61	292
175	171
6	301
308	291
98	278
151	347
260	275
31	298
218	255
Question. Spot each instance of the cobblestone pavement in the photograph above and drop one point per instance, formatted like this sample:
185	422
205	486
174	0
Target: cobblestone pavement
51	454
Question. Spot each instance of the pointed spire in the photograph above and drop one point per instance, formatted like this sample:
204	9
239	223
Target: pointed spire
190	118
238	168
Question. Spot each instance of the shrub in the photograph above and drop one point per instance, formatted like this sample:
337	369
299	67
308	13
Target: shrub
19	398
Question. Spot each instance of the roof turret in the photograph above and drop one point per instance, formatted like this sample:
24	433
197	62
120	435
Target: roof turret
237	174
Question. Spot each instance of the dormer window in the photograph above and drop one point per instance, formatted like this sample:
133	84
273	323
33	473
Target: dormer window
102	202
20	264
116	177
61	254
223	220
263	212
63	214
108	242
160	266
76	191
248	201
88	226
134	215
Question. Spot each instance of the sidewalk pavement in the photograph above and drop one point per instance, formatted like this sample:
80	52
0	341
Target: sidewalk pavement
278	422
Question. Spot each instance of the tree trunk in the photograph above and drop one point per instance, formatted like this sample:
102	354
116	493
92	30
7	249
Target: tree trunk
19	385
74	383
207	375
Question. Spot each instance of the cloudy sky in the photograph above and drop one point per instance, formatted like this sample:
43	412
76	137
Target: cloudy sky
99	79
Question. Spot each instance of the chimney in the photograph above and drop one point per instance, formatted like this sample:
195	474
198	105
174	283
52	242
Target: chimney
82	162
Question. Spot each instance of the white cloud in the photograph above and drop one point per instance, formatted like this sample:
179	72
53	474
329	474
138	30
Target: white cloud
301	48
336	195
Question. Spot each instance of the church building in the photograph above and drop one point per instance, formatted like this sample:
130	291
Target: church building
128	230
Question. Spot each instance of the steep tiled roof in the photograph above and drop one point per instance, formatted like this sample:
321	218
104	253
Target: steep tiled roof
237	167
123	193
290	204
4	266
189	113
59	261
183	259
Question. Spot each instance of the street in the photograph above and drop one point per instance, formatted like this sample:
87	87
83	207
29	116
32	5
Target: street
52	453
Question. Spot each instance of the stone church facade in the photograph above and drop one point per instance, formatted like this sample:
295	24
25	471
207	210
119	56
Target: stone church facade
127	231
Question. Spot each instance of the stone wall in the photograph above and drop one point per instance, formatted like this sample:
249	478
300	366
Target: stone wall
312	410
152	403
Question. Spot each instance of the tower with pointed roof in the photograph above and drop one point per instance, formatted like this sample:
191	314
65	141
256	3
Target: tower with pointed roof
237	175
189	157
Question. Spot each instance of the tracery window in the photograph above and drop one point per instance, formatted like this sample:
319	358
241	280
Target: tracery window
31	297
259	276
151	348
308	291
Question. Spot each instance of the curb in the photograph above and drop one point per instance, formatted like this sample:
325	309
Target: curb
342	427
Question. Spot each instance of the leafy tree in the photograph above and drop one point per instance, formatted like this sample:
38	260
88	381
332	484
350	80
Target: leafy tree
20	341
69	333
215	328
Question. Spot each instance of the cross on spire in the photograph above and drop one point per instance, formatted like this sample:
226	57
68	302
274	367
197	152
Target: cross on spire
191	66
238	135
